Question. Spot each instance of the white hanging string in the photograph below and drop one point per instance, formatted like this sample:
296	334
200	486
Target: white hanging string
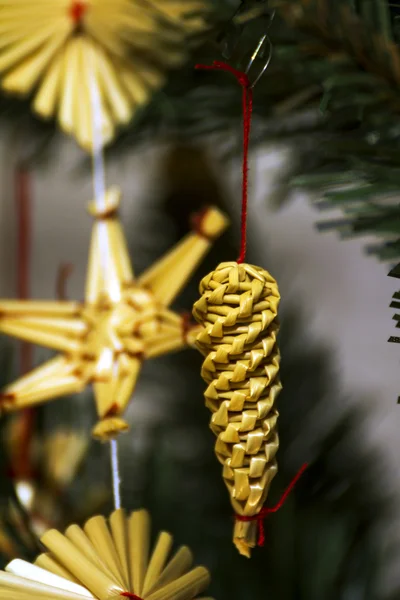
116	477
99	189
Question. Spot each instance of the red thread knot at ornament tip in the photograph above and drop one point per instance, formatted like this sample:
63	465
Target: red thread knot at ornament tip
264	512
77	11
130	595
247	99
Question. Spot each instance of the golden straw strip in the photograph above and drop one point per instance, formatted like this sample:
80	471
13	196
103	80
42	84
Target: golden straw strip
91	577
93	279
126	385
71	78
73	327
97	531
167	277
46	98
27	74
56	341
118	524
77	536
118	241
139	542
40	392
20	50
90	88
157	561
33	573
104	397
54	366
30	589
185	588
111	87
110	282
178	566
46	561
172	343
32	307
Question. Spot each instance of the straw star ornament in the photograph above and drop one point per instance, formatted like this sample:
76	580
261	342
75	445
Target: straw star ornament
122	321
65	53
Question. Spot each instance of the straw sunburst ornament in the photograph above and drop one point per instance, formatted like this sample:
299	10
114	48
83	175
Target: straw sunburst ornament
122	321
106	560
71	54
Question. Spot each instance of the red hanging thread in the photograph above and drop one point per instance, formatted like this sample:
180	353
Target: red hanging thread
247	99
271	509
130	595
22	465
24	220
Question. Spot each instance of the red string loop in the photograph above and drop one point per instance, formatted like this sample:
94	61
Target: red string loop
264	512
130	595
247	99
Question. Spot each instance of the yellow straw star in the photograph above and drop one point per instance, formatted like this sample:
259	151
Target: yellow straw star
122	321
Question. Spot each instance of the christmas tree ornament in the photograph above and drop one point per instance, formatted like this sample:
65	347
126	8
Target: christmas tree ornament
105	560
63	52
238	311
122	321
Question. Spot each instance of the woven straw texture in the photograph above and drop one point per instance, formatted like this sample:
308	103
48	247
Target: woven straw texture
238	309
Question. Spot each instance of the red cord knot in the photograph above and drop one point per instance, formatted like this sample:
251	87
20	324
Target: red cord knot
264	512
77	11
130	595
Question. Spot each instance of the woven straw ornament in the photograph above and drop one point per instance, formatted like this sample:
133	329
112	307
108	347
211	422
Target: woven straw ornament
238	310
71	55
106	560
122	321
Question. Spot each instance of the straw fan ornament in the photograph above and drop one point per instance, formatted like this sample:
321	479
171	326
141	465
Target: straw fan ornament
57	52
123	321
106	560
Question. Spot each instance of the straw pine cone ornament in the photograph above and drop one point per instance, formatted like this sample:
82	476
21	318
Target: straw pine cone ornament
238	309
106	560
81	57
